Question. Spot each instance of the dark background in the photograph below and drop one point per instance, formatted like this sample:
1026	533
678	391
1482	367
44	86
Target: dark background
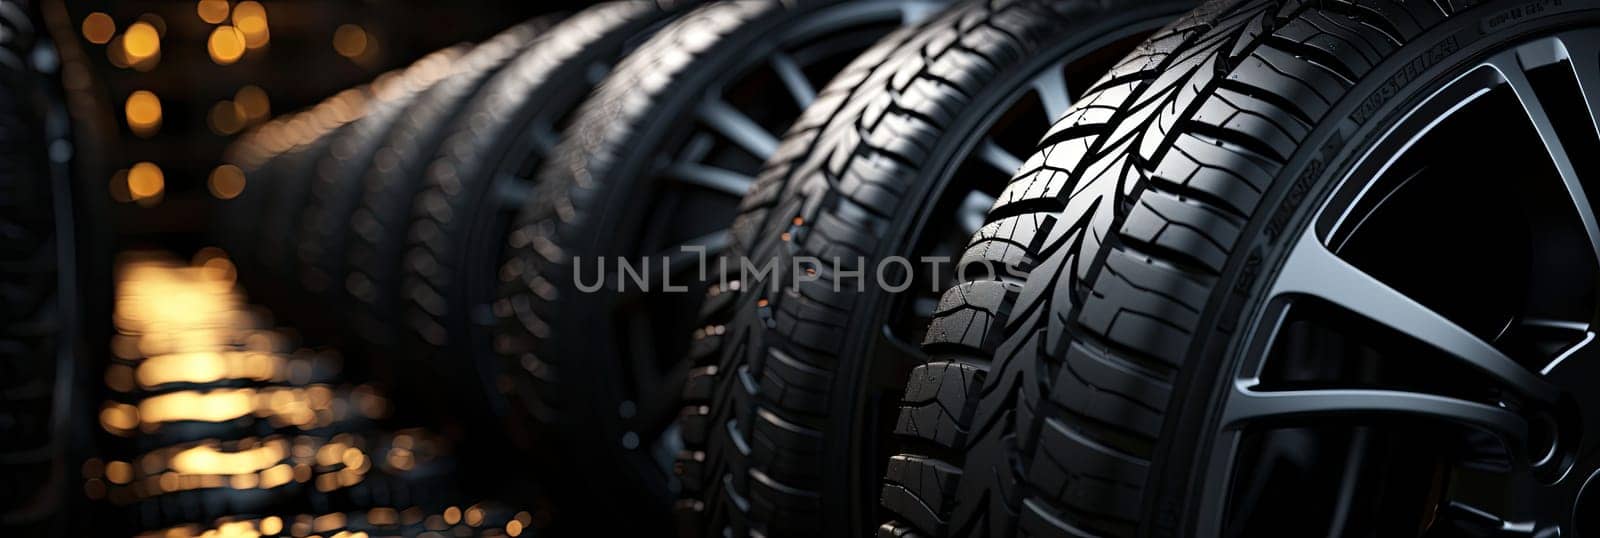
298	67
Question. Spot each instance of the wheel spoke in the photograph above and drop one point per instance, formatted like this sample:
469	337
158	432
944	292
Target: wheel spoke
1509	65
679	259
794	79
710	177
1051	85
996	156
1315	271
1459	518
1249	406
738	128
1583	51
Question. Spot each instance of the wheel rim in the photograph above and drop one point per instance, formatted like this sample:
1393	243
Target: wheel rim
1486	428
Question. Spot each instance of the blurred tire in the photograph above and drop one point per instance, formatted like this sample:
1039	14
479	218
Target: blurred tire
657	158
477	177
336	185
376	235
41	308
278	159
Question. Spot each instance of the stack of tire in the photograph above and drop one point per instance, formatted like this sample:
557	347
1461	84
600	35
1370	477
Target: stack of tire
1247	267
54	276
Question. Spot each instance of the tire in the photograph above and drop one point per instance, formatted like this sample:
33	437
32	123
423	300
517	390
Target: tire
261	219
377	226
803	376
253	152
336	183
564	366
40	324
1157	224
479	176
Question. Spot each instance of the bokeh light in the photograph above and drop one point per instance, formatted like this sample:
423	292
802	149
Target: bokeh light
155	21
226	182
251	19
253	103
224	118
143	112
212	11
145	181
119	186
98	28
350	40
141	42
226	45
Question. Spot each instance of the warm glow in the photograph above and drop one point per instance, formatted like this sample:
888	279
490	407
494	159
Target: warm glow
116	55
207	459
156	22
212	11
215	406
251	19
117	417
253	103
119	472
141	42
350	40
271	525
98	28
208	366
224	118
226	182
145	181
143	111
221	269
226	45
119	186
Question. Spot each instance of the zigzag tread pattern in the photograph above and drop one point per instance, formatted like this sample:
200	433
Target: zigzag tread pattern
1145	188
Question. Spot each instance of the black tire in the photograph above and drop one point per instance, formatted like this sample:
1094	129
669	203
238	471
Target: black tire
377	226
481	173
807	378
40	309
277	160
336	182
253	152
1152	224
609	399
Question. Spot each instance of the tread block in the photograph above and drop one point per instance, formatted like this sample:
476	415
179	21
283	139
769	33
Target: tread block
937	403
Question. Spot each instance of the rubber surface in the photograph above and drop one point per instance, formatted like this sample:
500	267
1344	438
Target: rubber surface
459	216
779	408
562	358
336	185
1072	401
377	229
39	306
